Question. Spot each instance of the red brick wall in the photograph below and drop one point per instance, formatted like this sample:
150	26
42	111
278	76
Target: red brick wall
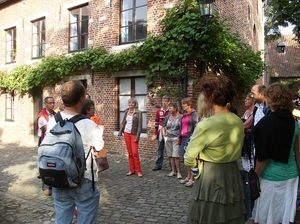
104	24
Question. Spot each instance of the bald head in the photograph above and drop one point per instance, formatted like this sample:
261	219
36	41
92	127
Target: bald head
258	93
71	92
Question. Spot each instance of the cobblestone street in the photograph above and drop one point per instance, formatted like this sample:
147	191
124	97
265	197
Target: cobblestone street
155	198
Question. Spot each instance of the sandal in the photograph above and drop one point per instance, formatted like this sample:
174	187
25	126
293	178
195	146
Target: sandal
184	181
190	183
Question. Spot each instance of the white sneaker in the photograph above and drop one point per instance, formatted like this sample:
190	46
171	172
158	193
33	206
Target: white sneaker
171	174
179	176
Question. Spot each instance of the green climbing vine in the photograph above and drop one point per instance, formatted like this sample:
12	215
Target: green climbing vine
209	44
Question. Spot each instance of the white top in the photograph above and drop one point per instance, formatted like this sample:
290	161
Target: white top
259	113
91	135
42	122
128	125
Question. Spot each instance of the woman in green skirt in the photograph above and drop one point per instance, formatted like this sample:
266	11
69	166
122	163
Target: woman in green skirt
213	151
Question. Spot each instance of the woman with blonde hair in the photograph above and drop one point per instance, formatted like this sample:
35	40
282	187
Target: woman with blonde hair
203	111
132	129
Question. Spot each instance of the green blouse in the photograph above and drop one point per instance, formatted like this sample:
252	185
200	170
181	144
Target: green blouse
217	139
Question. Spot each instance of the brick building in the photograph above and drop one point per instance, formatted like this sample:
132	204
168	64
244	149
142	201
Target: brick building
33	29
283	56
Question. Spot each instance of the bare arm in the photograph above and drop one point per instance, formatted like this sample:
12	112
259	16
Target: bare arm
260	166
296	113
248	122
44	127
163	131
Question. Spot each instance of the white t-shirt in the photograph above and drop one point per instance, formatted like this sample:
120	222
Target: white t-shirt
42	122
91	135
128	125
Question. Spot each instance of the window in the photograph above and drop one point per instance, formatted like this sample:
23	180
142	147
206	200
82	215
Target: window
38	38
132	87
9	106
133	20
11	45
78	36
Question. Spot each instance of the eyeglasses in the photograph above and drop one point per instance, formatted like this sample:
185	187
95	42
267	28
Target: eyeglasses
50	103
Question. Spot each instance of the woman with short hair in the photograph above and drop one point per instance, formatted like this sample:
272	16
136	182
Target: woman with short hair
132	128
214	148
188	123
171	133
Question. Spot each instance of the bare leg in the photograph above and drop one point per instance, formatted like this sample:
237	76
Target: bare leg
189	173
172	163
177	164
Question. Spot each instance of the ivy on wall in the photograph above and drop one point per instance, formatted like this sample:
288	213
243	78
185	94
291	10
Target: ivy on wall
185	37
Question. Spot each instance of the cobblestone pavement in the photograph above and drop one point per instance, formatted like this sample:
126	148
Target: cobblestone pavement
155	198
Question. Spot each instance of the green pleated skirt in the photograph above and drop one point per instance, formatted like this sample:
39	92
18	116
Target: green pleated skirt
217	195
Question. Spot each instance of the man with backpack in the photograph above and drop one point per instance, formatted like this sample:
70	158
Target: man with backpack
84	193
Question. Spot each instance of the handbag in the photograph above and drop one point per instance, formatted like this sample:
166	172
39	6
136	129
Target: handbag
252	178
102	162
254	184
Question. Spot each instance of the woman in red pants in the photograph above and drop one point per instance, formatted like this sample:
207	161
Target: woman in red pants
132	128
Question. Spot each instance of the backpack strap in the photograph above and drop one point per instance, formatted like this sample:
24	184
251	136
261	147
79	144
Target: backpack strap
58	117
78	117
74	119
92	166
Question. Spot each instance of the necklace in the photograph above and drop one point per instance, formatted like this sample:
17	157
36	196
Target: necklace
130	112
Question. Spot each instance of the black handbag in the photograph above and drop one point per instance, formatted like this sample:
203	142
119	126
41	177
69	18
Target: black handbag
254	184
253	179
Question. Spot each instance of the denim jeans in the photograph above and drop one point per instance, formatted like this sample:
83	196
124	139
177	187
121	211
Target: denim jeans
160	154
184	143
86	200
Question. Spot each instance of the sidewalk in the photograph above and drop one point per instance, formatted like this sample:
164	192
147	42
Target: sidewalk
154	198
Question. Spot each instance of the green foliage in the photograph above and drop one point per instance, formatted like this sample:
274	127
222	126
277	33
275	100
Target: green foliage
185	37
281	13
49	70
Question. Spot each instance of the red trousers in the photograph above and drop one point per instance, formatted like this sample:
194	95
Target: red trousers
133	154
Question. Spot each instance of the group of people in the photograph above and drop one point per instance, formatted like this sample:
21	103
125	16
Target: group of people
210	142
274	153
173	131
266	136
